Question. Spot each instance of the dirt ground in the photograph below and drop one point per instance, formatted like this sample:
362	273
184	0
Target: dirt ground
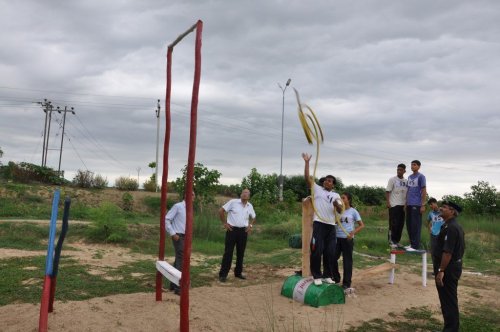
251	305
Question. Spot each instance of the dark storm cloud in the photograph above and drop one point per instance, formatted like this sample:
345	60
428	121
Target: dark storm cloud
389	82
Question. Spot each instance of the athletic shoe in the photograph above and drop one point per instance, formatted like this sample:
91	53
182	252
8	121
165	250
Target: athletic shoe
318	282
399	245
407	247
393	245
411	249
328	281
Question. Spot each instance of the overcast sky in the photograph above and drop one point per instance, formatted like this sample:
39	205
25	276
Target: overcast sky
390	81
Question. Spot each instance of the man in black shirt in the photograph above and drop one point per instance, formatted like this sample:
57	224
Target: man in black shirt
447	258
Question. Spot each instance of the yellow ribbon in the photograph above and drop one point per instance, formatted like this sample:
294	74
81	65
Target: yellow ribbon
313	132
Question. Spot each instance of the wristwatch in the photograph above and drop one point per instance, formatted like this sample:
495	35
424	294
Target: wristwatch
440	270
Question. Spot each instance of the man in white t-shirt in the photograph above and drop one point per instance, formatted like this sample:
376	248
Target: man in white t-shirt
395	195
237	217
324	236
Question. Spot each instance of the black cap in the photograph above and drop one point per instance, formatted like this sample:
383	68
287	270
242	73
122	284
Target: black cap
455	206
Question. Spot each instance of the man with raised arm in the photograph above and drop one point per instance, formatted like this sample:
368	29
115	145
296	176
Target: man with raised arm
323	240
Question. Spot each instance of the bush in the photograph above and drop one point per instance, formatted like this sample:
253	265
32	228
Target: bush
150	185
99	182
127	202
83	179
27	173
107	225
123	183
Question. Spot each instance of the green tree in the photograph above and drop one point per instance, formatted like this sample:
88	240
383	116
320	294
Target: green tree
483	198
264	188
150	184
206	182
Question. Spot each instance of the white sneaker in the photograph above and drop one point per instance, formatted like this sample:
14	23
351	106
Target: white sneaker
407	247
410	249
329	281
318	282
393	246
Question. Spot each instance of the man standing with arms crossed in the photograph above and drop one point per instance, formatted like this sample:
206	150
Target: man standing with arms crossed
415	205
238	224
395	195
447	261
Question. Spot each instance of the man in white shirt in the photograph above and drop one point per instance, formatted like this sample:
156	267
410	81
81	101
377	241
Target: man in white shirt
237	217
395	195
324	236
175	223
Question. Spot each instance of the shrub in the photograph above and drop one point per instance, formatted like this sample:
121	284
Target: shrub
127	202
107	225
83	179
123	183
150	185
99	182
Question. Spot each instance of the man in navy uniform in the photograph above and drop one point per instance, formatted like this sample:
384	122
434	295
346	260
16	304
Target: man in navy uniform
447	259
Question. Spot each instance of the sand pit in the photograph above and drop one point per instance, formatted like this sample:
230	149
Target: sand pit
236	307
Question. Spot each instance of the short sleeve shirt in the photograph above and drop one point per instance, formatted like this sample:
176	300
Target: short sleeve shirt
238	214
436	221
416	182
323	200
348	219
397	189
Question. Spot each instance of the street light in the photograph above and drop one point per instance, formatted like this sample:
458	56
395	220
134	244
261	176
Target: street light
282	123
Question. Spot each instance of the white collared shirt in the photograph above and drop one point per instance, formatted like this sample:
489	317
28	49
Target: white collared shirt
238	215
175	220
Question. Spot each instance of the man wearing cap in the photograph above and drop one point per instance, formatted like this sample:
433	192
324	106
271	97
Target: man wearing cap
447	261
415	205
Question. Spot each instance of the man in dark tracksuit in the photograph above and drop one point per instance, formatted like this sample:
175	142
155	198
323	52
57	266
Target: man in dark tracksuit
447	260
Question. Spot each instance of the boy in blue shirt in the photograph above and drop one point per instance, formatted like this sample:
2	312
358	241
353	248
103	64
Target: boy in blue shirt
434	222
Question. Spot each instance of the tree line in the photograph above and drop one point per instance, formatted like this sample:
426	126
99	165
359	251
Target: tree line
482	199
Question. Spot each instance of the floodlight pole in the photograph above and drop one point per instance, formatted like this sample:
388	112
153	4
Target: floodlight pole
157	142
282	126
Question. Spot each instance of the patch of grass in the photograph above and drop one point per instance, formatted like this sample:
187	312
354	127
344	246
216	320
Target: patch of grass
23	236
21	280
477	317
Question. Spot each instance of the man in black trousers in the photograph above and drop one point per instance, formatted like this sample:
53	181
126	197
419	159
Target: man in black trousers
447	260
237	217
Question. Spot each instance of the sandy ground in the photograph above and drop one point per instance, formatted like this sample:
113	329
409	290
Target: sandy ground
237	305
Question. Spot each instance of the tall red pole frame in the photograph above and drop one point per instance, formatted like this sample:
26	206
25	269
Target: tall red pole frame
185	281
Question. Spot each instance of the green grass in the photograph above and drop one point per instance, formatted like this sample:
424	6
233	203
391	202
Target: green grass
476	317
21	280
23	236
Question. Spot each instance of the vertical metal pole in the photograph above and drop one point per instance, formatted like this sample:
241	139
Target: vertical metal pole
424	269
48	135
282	126
392	273
281	160
44	104
157	143
62	139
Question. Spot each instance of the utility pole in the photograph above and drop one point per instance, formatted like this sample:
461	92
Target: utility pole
47	108
157	142
282	121
62	136
138	171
